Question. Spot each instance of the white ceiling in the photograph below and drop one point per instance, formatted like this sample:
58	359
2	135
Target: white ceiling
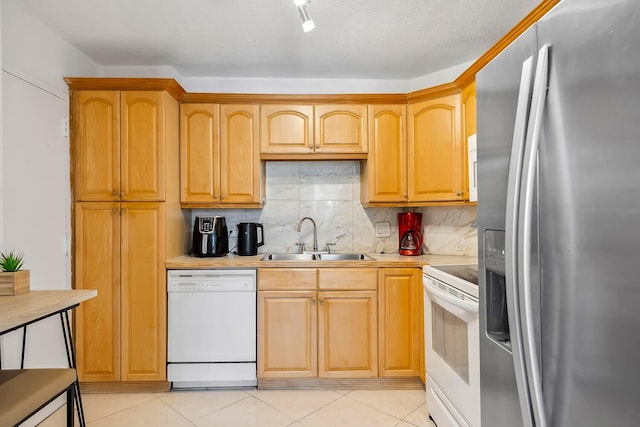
367	39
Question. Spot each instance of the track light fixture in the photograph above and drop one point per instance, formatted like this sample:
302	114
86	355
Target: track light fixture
304	15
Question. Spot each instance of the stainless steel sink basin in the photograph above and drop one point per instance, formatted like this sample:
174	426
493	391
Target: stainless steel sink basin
345	257
289	257
316	257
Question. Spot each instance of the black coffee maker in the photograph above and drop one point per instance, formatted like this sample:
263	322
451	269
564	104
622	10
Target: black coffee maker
210	236
248	242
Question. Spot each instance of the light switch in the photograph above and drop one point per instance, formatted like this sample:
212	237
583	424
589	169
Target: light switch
382	229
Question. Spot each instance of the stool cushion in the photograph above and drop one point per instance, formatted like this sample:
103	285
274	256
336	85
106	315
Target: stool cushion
24	391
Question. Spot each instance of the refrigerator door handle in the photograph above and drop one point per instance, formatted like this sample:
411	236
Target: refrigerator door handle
511	234
538	101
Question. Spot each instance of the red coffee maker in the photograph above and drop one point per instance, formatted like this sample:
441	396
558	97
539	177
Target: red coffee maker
409	233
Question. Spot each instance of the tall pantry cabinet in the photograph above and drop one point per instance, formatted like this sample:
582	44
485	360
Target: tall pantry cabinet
127	222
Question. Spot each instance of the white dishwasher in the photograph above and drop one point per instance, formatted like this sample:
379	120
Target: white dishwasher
211	328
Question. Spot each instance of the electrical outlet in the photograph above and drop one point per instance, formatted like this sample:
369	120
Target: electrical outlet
383	229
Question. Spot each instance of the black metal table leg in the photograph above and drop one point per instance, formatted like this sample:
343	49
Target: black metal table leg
71	358
24	343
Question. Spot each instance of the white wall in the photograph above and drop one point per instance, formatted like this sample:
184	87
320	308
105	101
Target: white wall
289	86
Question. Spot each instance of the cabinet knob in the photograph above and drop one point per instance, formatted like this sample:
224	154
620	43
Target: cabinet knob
222	197
114	210
122	210
114	193
317	145
215	195
459	193
321	300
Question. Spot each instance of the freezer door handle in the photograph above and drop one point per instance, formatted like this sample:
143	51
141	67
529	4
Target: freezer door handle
511	233
525	227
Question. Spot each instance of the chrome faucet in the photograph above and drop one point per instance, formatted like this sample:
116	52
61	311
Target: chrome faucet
315	233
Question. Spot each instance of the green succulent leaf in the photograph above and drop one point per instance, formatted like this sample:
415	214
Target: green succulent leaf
11	261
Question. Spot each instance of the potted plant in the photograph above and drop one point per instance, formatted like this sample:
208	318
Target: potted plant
13	280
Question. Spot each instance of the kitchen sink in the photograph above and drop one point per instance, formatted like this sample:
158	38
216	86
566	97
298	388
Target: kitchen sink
345	257
317	257
290	257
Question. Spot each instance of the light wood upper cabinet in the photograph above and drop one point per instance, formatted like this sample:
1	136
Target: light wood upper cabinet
199	153
286	129
469	109
400	322
142	175
97	266
436	151
341	129
97	145
384	174
469	114
301	130
119	145
220	159
240	154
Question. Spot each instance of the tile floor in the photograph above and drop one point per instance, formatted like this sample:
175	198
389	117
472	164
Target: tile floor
244	408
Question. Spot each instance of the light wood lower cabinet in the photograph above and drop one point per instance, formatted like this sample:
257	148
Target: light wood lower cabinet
347	334
121	334
287	334
317	323
400	328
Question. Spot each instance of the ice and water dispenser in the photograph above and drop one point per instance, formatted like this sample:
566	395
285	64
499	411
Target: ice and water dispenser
497	319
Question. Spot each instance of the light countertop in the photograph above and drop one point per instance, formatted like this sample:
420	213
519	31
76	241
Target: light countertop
379	260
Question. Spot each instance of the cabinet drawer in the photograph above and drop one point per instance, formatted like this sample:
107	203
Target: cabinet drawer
287	279
348	278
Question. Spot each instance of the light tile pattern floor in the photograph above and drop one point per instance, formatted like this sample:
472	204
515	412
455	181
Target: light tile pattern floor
249	408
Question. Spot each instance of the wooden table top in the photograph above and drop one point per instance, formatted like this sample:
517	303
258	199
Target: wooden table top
18	310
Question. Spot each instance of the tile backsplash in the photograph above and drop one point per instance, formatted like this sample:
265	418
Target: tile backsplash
329	192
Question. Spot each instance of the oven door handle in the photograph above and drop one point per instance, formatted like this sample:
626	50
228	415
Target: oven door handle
469	306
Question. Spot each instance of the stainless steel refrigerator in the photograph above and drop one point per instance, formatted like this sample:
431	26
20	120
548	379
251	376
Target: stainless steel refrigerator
559	221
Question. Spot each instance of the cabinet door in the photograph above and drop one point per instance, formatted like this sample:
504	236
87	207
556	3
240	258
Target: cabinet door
199	153
144	304
97	266
341	129
399	296
436	153
385	172
96	165
469	114
142	174
286	129
287	334
347	334
240	154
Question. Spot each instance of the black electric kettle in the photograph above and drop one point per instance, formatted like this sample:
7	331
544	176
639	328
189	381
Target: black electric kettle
248	242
